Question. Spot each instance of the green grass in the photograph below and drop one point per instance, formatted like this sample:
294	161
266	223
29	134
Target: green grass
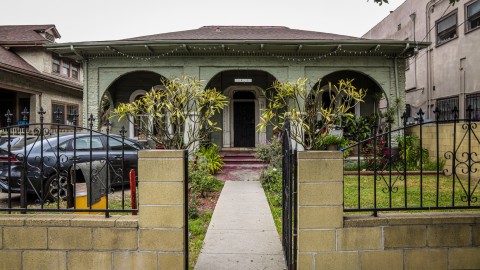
114	203
275	202
199	219
197	228
385	199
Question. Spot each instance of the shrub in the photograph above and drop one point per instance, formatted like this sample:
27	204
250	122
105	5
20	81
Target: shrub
202	182
370	155
193	204
271	152
409	148
209	159
271	180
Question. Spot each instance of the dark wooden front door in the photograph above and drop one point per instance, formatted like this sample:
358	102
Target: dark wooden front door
244	124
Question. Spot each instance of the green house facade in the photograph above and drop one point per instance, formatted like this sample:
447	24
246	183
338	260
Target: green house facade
242	63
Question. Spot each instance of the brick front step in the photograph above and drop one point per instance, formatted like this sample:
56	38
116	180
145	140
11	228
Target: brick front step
242	161
239	164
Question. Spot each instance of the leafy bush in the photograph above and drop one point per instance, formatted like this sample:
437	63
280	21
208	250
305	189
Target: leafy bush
202	182
380	155
193	204
409	148
359	128
346	144
271	180
209	159
271	152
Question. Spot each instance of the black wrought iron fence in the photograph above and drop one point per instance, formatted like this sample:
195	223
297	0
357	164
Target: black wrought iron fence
289	199
427	165
83	170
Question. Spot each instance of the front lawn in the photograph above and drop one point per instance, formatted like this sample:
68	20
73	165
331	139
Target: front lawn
396	198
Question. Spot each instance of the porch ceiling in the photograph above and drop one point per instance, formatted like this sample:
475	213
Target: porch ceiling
187	48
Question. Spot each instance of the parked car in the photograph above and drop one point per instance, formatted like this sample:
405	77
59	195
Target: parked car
14	139
51	162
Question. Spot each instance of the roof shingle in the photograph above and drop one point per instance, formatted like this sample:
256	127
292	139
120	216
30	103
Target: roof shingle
244	33
11	59
24	34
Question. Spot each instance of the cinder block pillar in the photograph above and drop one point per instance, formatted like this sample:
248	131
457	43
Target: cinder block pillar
161	206
320	203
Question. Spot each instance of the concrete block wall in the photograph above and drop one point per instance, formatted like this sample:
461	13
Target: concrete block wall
152	240
329	239
445	141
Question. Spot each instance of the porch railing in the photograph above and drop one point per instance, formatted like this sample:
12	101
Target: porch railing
432	165
81	171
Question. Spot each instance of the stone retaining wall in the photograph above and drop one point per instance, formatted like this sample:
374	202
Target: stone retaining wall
152	240
329	239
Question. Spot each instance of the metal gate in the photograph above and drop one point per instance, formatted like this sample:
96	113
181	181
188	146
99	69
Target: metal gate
289	199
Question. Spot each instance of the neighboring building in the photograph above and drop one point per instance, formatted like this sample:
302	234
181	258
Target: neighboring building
32	77
241	62
446	75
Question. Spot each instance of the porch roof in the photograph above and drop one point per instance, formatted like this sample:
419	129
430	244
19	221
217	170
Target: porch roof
237	40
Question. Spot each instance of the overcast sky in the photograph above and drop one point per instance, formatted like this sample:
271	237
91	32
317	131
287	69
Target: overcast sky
88	20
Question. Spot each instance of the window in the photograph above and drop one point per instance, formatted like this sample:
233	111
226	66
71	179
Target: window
71	111
83	143
66	69
473	16
116	144
473	101
447	28
446	106
56	65
75	71
61	117
67	112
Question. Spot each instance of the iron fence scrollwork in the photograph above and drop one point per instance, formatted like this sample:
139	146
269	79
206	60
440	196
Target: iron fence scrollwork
389	178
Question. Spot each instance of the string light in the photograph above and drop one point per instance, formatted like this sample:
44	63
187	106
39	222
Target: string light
339	51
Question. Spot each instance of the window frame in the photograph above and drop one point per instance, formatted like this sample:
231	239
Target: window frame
75	67
65	66
467	18
65	120
476	109
437	22
59	64
70	65
441	116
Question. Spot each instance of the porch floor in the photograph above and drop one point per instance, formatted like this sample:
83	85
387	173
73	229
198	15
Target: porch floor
241	234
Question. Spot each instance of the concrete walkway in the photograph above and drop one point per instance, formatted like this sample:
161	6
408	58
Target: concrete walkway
241	234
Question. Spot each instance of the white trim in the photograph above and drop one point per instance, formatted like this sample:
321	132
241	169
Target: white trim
228	114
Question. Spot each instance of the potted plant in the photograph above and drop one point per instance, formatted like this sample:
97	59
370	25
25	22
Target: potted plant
330	142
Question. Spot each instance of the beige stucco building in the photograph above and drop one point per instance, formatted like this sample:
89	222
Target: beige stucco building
446	74
32	77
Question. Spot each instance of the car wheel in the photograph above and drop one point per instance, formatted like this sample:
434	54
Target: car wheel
56	188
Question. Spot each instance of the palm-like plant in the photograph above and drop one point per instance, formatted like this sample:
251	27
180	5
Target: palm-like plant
176	115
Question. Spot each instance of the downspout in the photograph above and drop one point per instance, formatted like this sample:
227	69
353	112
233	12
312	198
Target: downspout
85	86
413	17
